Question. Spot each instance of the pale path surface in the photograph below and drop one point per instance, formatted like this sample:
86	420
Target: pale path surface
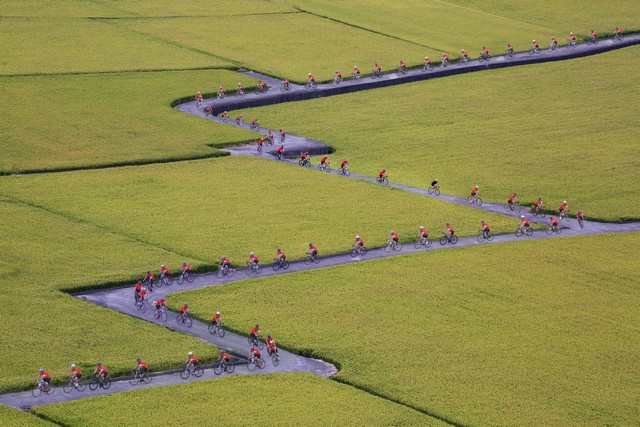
121	299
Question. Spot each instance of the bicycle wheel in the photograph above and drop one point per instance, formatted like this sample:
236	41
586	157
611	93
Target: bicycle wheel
417	244
354	253
517	208
285	265
581	223
185	374
437	191
134	381
230	368
146	378
470	199
385	181
143	308
549	230
427	243
258	269
479	201
248	270
275	359
106	383
480	238
217	368
518	232
158	284
188	322
307	260
66	388
276	266
542	213
211	329
180	279
260	344
36	391
443	240
490	237
220	273
163	316
558	230
327	168
93	384
567	218
261	363
430	190
179	319
191	277
81	385
529	231
251	366
398	247
454	240
197	371
387	248
221	332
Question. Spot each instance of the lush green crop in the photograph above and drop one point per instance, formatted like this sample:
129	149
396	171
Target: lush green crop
564	130
234	205
524	333
14	418
282	399
52	122
40	253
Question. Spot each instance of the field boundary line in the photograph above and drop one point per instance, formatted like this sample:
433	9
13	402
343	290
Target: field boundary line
133	70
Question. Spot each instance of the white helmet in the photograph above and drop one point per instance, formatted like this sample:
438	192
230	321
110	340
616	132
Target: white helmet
521	216
476	186
564	201
162	266
421	228
251	253
534	41
217	312
309	73
190	353
426	57
73	366
358	236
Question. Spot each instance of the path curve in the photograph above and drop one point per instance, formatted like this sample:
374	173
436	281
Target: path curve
120	299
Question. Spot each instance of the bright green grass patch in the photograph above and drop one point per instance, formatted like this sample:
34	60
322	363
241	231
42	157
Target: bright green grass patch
282	399
41	326
235	205
41	46
470	24
14	418
92	120
57	8
283	45
524	333
563	130
200	8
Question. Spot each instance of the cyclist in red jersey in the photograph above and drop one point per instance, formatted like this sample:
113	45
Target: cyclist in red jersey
141	366
594	34
270	136
149	277
509	48
184	310
310	78
512	199
553	221
44	376
159	303
313	250
475	190
359	241
524	222
254	122
618	31
261	84
137	289
464	54
356	72
538	202
572	37
427	61
286	82
215	319
394	236
253	259
281	255
579	214
344	163
224	115
192	360
338	74
239	88
423	233
382	173
449	230
199	97
445	57
101	371
225	261
485	228
324	160
535	44
255	353
271	345
260	142
377	68
164	271
75	374
563	206
304	156
253	334
403	65
142	295
224	357
186	268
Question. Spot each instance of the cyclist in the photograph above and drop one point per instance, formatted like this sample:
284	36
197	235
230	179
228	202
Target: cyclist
281	256
618	32
159	303
356	72
186	268
535	45
310	78
253	334
224	358
141	366
149	278
271	345
74	374
338	75
280	151
554	42
524	222
253	259
255	123
44	376
215	319
324	161
304	157
255	353
137	290
262	86
382	174
434	183
313	250
394	238
563	207
199	98
579	214
449	230
286	83
164	272
239	119
343	164
224	115
270	137
445	58
377	69
594	35
509	49
538	205
225	262
465	55
553	221
424	234
222	92
192	361
485	51
283	135
484	227
475	191
184	310
403	66
359	242
260	142
572	37
511	200
209	111
142	295
427	61
101	371
240	88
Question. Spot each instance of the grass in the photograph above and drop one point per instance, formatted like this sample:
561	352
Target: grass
526	333
289	45
41	253
14	418
563	130
451	25
283	399
92	120
53	46
233	205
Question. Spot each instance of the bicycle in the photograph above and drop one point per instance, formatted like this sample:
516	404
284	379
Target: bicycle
509	54
448	239
377	74
324	167
74	383
392	245
269	140
485	235
275	358
285	87
535	50
191	369
220	367
99	381
474	199
524	230
336	80
255	363
239	121
513	207
571	43
553	47
484	57
427	67
304	162
618	37
160	314
581	223
221	95
554	229
280	264
217	329
402	71
565	216
358	251
256	342
165	280
185	276
282	138
434	190
538	211
253	268
239	92
311	84
261	89
592	40
344	170
184	319
279	156
259	149
139	377
311	258
224	270
42	387
254	126
463	61
382	180
141	306
444	63
422	242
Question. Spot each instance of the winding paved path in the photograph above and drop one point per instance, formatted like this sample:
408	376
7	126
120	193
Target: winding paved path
120	299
